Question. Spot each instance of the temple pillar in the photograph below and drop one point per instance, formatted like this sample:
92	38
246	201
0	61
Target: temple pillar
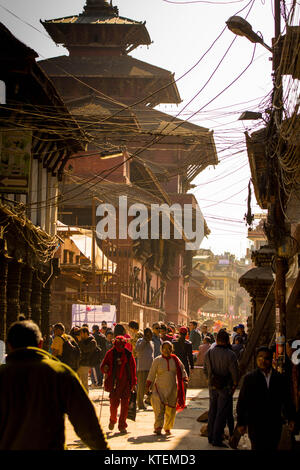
13	291
26	289
3	293
45	313
36	298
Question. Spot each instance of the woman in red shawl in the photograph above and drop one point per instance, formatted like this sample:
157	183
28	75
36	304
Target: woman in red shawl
120	369
166	379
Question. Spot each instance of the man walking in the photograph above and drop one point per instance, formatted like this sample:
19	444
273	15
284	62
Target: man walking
135	333
58	342
104	327
221	368
183	350
195	336
263	397
240	330
65	347
96	374
145	353
87	345
36	391
156	339
205	332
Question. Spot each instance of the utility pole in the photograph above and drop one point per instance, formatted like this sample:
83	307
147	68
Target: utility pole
279	219
93	254
279	230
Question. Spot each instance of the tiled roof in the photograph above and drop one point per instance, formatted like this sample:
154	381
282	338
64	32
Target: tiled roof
107	192
102	66
158	122
95	19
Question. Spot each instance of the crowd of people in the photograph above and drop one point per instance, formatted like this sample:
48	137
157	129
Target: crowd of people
153	365
155	362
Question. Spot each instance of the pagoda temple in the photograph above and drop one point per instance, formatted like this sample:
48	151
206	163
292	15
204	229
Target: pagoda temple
113	95
99	41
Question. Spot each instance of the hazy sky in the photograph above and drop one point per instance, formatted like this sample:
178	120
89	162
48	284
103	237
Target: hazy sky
181	33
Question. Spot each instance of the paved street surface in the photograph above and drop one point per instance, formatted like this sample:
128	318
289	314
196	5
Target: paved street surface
185	434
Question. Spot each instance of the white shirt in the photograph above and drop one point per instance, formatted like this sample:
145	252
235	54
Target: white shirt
267	377
2	352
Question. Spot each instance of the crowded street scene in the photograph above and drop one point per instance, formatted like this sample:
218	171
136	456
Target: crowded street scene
149	232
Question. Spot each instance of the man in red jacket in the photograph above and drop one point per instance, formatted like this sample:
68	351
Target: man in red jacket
120	369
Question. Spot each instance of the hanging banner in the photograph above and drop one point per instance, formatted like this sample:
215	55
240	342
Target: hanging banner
15	161
93	314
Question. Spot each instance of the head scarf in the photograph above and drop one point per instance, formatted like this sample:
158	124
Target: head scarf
183	330
166	342
119	345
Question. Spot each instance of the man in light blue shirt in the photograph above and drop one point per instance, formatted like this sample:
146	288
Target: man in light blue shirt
156	339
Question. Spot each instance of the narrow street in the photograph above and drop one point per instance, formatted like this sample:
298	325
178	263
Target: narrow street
150	226
185	434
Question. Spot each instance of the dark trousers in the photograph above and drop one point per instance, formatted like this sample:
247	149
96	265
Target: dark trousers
220	403
230	418
96	375
263	438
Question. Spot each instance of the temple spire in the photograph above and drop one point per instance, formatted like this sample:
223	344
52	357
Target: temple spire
100	7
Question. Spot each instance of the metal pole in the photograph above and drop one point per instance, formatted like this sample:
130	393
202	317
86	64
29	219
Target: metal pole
281	263
93	245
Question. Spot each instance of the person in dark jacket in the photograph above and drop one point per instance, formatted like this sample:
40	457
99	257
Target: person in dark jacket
240	329
221	368
36	391
263	398
183	349
195	336
120	369
109	336
238	346
96	374
204	333
87	345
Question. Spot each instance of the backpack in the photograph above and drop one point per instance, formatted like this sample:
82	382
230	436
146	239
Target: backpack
71	353
96	357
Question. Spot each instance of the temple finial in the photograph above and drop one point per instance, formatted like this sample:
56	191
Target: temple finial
100	6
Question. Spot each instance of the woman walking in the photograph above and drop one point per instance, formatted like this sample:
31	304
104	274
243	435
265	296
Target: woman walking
166	379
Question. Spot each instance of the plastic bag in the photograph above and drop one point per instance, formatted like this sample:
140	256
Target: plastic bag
132	407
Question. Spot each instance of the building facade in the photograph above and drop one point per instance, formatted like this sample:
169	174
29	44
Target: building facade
37	137
231	304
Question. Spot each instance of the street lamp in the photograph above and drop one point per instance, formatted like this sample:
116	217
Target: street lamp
241	27
250	116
